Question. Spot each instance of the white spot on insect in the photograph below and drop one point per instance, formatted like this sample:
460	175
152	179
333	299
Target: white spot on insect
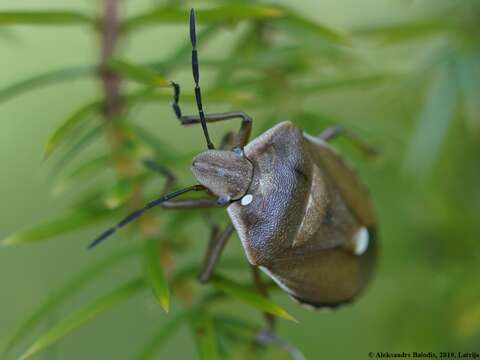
247	199
361	240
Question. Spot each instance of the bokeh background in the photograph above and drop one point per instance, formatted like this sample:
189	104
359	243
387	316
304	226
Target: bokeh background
405	76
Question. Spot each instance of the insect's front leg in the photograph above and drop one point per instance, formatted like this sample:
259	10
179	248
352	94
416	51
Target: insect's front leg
163	171
334	131
243	134
227	140
199	203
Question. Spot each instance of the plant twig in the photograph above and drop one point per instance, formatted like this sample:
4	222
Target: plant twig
113	110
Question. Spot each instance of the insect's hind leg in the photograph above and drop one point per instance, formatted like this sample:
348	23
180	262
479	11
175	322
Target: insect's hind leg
334	131
217	243
262	289
267	338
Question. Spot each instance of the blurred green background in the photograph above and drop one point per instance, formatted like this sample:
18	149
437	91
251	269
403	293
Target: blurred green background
407	79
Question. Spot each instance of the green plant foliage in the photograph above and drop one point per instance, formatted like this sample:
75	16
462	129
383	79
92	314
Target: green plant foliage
433	123
84	171
166	331
37	81
453	63
233	13
77	146
44	18
155	275
295	20
204	333
117	194
73	122
83	315
407	31
409	81
45	309
347	83
250	296
138	73
222	14
74	220
468	70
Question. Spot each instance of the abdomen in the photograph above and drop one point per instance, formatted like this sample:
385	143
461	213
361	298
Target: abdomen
325	278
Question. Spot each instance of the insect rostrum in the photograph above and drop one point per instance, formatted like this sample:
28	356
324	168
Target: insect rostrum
301	214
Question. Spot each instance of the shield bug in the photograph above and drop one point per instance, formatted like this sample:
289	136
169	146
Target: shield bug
301	213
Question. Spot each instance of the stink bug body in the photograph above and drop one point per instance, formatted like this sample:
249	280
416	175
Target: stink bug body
299	210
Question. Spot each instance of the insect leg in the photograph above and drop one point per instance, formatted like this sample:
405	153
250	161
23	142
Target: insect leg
139	212
262	289
227	140
163	171
202	203
171	180
214	251
334	131
266	338
214	233
245	128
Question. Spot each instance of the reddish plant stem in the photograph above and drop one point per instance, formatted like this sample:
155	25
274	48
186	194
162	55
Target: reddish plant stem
110	37
113	111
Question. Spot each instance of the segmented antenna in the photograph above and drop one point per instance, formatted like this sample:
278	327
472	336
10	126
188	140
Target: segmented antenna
137	213
196	78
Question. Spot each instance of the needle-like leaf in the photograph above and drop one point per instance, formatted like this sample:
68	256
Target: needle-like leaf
468	70
236	327
233	13
51	77
75	147
347	82
433	122
72	122
155	274
291	18
139	73
201	324
167	330
45	309
230	13
249	296
83	315
85	170
407	31
44	18
74	220
118	194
